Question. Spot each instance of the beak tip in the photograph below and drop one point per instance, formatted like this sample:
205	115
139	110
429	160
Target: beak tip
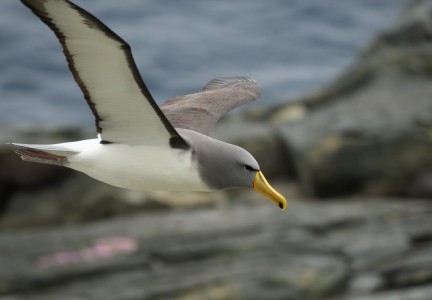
261	185
282	205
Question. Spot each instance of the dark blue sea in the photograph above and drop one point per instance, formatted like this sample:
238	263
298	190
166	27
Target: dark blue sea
291	47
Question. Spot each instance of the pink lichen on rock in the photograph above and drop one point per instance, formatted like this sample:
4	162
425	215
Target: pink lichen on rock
103	248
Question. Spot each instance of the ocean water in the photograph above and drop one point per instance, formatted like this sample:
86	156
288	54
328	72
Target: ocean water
291	47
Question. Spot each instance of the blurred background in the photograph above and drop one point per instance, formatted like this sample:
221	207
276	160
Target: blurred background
343	128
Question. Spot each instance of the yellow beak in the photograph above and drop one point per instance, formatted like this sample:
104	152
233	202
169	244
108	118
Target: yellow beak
261	185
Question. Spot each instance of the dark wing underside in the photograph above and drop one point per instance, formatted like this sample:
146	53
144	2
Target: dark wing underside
201	111
103	66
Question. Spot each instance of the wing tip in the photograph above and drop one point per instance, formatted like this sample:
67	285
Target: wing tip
222	82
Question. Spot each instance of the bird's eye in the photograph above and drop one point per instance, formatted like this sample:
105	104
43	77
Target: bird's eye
249	168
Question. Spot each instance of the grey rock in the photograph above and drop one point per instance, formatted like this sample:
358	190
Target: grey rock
365	283
236	252
420	293
179	254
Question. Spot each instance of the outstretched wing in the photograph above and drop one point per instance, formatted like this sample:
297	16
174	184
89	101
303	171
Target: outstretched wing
201	111
103	66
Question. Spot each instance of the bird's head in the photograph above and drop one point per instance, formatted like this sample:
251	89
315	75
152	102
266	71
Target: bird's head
235	167
248	172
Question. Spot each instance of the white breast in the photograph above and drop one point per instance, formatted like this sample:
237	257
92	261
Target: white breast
140	167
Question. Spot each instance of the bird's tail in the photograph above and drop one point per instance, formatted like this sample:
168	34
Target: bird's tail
46	154
41	157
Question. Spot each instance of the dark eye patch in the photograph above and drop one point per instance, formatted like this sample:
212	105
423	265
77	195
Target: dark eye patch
249	168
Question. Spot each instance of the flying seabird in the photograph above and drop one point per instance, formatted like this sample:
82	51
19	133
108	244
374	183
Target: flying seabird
141	146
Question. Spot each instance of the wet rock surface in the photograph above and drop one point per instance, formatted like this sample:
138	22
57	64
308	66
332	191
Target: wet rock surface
356	249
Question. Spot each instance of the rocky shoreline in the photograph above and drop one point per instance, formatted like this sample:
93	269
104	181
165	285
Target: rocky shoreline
358	249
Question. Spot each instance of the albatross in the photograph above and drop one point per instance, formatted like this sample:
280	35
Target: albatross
140	145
